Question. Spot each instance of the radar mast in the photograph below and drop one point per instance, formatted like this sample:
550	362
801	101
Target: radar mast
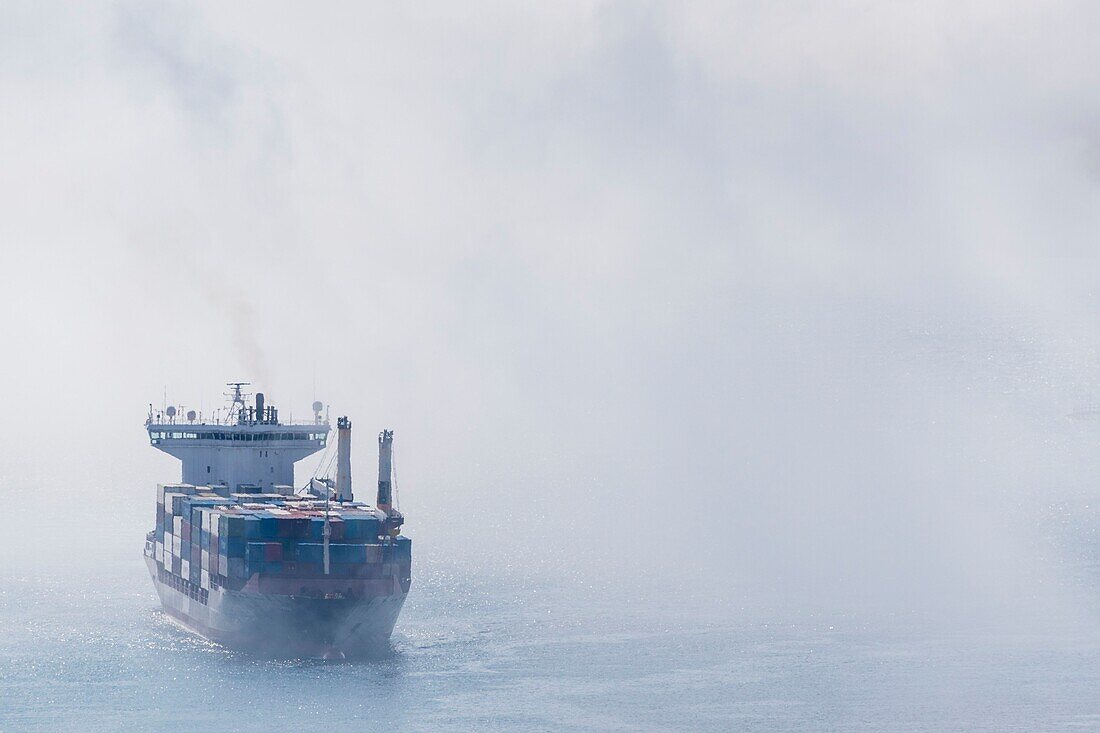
236	398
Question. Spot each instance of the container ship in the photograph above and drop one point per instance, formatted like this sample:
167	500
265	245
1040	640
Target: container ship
242	557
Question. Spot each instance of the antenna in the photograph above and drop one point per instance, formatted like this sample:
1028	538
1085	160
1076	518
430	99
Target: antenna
237	396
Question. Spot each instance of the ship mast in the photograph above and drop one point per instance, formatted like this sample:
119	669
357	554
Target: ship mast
236	398
328	529
343	460
385	471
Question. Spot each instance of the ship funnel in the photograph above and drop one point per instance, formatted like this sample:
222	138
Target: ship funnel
343	460
385	470
259	407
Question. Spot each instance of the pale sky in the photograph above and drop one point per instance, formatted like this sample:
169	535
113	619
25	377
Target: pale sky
792	297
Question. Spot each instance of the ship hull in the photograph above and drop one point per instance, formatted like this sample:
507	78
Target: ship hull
282	624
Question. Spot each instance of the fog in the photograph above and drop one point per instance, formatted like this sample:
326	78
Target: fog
776	308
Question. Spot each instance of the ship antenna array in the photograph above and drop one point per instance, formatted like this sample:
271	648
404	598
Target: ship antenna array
236	397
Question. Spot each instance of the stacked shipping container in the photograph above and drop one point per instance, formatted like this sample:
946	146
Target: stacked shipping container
208	540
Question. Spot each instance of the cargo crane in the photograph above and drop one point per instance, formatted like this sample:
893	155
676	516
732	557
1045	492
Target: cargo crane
386	472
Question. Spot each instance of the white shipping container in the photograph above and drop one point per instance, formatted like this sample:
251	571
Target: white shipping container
176	545
205	560
185	568
205	519
177	525
159	552
204	581
223	565
214	524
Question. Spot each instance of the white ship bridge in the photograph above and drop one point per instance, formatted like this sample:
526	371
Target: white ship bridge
244	448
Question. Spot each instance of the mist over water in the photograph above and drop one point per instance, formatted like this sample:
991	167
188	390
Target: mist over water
729	351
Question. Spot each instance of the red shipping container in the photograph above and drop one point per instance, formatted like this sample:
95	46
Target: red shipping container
273	552
185	532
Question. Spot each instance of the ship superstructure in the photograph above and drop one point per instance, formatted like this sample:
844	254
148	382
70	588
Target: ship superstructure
242	557
248	448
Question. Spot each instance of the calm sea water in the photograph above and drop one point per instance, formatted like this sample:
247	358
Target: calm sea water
84	646
91	651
